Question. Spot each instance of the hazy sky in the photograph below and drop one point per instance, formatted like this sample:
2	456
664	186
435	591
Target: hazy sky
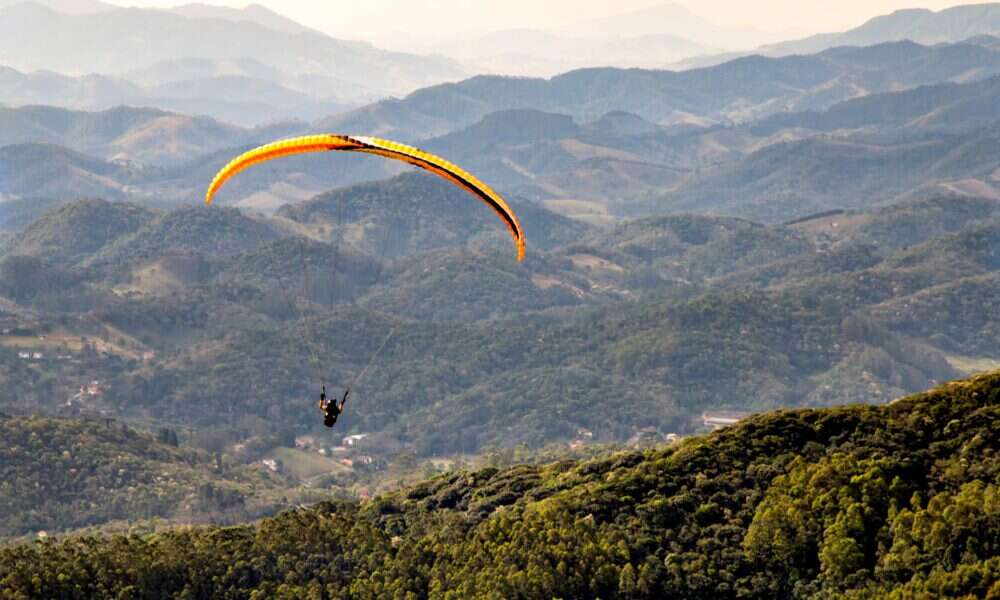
361	19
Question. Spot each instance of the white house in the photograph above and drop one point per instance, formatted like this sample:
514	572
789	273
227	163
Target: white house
354	439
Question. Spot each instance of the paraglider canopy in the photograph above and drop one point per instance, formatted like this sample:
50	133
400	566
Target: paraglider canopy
386	148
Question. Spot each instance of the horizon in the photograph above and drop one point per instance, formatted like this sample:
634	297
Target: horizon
797	19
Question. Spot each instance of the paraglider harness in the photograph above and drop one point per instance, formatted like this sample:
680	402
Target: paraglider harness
330	409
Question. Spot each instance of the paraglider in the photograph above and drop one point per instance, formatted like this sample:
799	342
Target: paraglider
331	409
386	148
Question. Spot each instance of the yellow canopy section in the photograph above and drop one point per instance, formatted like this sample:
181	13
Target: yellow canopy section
372	145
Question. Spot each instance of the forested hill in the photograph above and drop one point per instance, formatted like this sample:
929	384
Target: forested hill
62	474
416	212
898	501
193	312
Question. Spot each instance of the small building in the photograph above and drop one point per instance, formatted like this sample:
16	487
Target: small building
351	440
305	441
93	389
271	464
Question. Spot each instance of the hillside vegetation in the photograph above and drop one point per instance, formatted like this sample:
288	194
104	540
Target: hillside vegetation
190	313
898	501
63	474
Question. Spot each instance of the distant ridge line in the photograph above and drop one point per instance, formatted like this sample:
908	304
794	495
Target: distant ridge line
814	216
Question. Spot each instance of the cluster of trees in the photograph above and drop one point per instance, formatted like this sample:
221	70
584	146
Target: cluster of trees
900	501
25	278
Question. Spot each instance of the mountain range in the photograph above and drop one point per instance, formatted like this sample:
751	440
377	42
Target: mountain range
231	66
248	66
542	53
670	36
741	90
146	136
918	25
652	37
549	140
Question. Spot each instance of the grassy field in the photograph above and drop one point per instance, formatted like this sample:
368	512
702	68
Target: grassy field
589	261
152	279
304	465
582	210
274	197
